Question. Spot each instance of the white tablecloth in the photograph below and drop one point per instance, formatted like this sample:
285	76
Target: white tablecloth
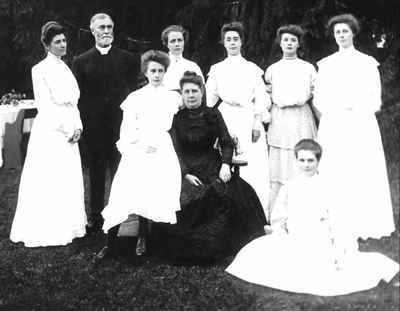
9	114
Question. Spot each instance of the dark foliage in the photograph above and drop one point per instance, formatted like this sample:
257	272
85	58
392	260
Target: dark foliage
139	24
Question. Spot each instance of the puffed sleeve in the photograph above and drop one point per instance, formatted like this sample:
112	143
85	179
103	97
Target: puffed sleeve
262	100
174	132
177	102
128	131
45	102
374	88
313	77
322	84
77	119
71	119
41	89
268	80
224	139
212	88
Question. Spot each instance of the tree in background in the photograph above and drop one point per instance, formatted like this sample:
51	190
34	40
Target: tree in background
139	24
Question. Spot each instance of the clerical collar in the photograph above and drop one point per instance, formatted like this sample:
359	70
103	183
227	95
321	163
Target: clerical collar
175	58
103	51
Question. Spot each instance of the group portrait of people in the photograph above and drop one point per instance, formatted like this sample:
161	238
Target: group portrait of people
279	169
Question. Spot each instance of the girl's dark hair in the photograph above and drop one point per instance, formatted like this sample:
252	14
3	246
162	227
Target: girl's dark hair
191	77
49	31
173	28
154	56
233	26
348	19
310	145
294	30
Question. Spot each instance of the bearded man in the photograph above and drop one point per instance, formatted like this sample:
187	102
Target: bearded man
106	75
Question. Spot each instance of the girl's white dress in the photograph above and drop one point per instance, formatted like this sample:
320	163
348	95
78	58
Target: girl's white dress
176	69
348	93
146	184
238	83
291	82
50	209
302	256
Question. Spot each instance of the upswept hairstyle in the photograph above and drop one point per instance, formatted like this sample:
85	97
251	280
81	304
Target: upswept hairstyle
309	145
154	56
348	19
49	31
192	77
174	28
294	30
233	26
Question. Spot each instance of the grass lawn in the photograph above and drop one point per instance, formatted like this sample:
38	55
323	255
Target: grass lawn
63	278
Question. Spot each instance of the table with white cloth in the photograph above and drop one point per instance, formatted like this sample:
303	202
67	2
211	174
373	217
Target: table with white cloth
15	121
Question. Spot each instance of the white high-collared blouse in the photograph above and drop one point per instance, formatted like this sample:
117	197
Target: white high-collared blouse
292	81
237	81
176	69
348	80
56	95
148	114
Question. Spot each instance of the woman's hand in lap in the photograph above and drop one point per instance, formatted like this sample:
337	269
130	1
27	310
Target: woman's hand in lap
76	136
225	172
193	180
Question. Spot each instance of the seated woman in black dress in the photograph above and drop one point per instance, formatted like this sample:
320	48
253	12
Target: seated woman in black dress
220	212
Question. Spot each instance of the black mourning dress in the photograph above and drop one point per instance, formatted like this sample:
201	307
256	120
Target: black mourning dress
216	219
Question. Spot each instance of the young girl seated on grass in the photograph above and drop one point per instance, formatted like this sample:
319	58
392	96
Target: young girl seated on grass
303	254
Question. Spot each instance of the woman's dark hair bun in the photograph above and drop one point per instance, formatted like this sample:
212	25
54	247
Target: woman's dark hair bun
190	74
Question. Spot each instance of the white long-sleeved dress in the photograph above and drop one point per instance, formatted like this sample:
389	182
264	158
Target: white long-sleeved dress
348	93
146	184
50	209
291	81
238	83
176	69
306	258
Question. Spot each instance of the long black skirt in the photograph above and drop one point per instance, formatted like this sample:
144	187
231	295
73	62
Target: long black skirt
216	220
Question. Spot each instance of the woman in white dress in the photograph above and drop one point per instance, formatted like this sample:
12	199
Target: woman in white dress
290	81
348	93
303	254
238	84
148	180
50	209
174	37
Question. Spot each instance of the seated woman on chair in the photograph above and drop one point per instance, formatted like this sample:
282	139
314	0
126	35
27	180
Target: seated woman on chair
147	182
220	212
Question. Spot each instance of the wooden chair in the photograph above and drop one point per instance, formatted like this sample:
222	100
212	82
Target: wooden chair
236	164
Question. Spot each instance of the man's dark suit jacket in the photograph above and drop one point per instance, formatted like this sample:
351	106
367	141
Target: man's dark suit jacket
104	82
